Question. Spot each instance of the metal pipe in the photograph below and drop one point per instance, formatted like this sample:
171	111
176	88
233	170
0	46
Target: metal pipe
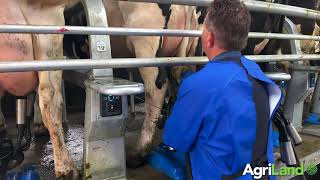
51	65
279	76
306	68
85	30
282	36
258	6
118	31
132	103
21	110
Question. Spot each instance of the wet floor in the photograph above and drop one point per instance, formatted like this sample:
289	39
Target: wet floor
40	153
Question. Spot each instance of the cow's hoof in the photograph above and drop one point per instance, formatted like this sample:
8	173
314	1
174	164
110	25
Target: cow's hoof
40	130
135	160
71	175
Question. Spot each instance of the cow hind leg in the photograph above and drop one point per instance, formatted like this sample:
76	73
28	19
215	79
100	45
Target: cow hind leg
154	98
51	104
50	101
39	128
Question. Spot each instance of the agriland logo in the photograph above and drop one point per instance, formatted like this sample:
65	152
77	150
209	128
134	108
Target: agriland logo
258	172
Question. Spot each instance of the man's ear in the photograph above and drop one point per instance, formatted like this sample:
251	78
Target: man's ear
211	39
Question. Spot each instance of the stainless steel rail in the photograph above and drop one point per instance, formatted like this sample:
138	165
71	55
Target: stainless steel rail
51	65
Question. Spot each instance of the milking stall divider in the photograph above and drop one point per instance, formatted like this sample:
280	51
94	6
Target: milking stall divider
106	108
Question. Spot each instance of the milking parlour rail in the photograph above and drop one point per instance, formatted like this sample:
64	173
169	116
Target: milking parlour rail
119	31
252	5
101	127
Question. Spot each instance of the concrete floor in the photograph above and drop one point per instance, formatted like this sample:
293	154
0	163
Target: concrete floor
40	152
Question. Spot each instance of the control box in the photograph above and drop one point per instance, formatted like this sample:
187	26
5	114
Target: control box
110	105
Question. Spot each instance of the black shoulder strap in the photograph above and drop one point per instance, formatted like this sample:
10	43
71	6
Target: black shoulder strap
261	99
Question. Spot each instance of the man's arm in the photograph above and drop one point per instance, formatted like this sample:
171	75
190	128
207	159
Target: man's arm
183	125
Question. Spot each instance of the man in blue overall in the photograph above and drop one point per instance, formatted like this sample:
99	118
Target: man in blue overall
222	115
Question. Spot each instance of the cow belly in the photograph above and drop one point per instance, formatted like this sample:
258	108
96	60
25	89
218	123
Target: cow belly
16	47
177	21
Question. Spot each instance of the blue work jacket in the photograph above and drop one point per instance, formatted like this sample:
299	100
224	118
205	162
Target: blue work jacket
214	117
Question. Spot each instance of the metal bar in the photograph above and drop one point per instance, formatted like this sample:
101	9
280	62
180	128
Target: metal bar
85	30
279	76
132	103
51	65
306	68
258	6
118	31
282	36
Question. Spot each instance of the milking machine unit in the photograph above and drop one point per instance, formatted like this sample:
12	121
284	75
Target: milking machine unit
11	155
292	109
106	107
288	137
